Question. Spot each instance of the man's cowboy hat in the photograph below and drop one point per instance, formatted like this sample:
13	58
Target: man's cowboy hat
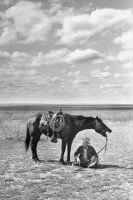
86	139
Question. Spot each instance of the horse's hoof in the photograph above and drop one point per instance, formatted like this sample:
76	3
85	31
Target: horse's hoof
37	160
69	163
62	162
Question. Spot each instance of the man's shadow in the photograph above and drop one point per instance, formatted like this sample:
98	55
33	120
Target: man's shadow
100	166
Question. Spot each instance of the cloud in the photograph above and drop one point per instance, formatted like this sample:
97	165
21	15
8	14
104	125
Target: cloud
20	59
128	64
64	55
52	57
98	74
126	39
25	21
32	72
7	2
73	74
4	54
8	34
19	56
31	21
78	28
57	79
111	85
81	82
55	7
56	56
125	75
82	56
106	68
125	55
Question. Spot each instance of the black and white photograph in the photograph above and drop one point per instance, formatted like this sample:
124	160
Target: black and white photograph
66	99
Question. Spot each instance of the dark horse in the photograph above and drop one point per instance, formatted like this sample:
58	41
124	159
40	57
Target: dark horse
73	125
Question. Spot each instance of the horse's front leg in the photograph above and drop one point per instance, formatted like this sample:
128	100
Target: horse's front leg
63	148
69	144
34	142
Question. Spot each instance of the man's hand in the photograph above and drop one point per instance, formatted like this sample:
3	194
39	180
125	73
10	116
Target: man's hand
76	158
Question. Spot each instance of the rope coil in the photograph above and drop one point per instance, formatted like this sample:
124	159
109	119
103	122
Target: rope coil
52	124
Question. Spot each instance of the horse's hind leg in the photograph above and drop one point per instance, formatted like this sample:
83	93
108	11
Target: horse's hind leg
34	142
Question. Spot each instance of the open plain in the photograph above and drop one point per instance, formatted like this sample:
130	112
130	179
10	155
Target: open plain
23	179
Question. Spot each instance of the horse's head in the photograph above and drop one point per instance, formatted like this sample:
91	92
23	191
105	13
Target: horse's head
101	128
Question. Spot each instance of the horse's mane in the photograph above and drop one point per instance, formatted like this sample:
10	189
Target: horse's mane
80	117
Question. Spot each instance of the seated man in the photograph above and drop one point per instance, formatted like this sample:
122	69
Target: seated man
86	156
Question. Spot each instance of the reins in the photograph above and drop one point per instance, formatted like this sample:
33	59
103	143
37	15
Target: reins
104	147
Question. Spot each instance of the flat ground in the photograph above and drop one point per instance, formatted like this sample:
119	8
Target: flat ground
21	178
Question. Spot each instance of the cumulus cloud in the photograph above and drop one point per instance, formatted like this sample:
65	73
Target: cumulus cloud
81	82
52	57
111	85
98	74
8	34
7	2
25	21
128	64
57	79
73	74
78	28
20	59
66	56
19	56
32	72
106	68
125	75
82	56
125	55
126	39
56	56
30	21
4	54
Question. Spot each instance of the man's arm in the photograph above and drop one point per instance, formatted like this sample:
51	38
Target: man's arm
93	151
78	151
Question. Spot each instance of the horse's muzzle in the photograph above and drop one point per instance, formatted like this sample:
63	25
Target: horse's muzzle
109	130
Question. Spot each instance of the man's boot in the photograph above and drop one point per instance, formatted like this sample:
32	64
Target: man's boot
54	138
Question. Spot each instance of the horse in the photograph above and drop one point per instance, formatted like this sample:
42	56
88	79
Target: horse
73	125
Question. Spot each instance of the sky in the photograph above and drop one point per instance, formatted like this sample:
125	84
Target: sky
66	51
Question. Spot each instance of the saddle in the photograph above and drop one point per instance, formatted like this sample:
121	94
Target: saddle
55	121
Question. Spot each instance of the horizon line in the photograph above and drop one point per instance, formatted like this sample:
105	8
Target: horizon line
58	104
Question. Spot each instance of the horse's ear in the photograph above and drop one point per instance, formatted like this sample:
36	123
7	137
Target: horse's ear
97	117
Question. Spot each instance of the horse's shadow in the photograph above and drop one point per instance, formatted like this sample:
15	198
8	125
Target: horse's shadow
100	166
59	162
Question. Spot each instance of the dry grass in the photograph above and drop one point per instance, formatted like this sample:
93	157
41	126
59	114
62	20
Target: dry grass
21	178
13	123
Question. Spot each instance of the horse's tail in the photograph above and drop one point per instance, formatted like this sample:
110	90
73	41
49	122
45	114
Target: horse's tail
27	139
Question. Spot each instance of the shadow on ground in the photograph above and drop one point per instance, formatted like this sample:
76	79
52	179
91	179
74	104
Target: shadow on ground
104	166
100	166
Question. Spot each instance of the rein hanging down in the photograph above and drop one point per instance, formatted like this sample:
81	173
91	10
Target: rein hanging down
104	147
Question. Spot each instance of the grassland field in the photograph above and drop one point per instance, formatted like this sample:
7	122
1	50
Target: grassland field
21	178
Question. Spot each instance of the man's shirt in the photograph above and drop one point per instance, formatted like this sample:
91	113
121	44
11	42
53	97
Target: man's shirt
90	151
